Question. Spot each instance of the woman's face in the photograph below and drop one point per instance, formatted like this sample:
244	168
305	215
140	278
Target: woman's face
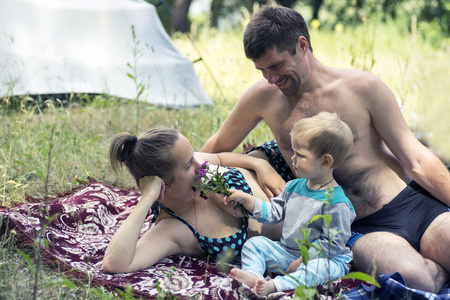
186	172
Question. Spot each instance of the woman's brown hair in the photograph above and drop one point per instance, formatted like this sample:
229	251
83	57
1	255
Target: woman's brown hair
148	154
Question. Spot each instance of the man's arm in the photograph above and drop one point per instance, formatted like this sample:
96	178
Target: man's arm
240	122
421	164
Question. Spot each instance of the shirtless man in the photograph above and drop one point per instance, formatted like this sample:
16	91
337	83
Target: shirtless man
384	165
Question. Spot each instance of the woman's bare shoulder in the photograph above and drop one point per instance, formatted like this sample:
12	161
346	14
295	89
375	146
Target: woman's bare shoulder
175	234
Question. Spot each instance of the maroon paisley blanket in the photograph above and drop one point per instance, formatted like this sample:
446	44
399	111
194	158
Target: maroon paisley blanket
78	227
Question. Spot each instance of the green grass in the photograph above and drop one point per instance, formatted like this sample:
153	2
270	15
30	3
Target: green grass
417	73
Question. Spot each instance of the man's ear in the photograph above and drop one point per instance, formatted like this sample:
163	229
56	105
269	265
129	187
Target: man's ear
302	45
327	160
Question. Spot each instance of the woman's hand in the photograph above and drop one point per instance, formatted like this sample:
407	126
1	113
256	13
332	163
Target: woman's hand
147	184
270	181
294	265
152	186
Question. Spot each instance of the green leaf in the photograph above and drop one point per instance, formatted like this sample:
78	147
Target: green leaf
304	292
141	90
131	76
46	244
63	280
315	218
326	219
39	172
27	259
362	276
305	254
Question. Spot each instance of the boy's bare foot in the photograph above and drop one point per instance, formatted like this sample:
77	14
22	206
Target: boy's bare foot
264	287
244	277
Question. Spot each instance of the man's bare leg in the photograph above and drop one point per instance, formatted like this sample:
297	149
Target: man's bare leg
435	243
390	253
264	287
244	277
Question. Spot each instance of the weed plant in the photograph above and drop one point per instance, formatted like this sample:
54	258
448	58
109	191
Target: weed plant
80	131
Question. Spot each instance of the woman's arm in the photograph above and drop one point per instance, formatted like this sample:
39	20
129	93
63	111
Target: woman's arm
122	253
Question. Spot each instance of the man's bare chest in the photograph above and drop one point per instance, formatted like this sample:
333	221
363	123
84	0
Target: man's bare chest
284	118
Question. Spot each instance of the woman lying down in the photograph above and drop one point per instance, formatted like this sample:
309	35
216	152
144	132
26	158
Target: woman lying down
166	170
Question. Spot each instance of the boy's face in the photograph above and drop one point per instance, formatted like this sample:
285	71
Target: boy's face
305	163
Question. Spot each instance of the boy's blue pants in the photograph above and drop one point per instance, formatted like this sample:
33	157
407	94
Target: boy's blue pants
260	254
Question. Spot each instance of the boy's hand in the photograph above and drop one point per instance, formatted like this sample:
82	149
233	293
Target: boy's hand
236	197
294	265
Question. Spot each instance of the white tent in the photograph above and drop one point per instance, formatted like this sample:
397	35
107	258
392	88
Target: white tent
86	46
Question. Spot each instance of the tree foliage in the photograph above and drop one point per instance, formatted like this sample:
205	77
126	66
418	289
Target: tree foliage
431	14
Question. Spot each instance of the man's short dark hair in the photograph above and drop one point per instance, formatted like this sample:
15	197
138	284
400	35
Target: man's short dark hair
274	26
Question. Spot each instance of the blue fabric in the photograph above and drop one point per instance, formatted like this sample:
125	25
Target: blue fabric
213	247
393	287
265	212
276	159
353	239
260	254
235	180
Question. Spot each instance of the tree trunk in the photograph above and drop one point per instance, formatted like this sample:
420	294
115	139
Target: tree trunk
179	20
216	8
359	5
316	4
286	3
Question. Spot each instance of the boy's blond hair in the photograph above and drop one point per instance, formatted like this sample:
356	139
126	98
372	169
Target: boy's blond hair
324	133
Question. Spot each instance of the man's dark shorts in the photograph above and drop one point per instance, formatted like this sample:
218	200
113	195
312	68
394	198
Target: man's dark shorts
407	215
271	150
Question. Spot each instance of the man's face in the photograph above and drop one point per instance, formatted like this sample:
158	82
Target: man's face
281	69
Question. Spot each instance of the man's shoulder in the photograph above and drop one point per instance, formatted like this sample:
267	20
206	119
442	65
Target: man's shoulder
353	78
261	90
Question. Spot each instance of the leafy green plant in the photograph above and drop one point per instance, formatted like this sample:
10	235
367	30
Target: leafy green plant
134	75
305	292
215	183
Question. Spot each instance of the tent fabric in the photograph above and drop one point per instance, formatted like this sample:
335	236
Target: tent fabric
86	46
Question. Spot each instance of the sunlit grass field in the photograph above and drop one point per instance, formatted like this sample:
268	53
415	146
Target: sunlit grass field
79	134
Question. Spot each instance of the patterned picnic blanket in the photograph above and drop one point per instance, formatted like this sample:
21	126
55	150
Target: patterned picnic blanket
393	287
79	226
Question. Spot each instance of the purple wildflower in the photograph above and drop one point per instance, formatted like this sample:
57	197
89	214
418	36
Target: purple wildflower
202	173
